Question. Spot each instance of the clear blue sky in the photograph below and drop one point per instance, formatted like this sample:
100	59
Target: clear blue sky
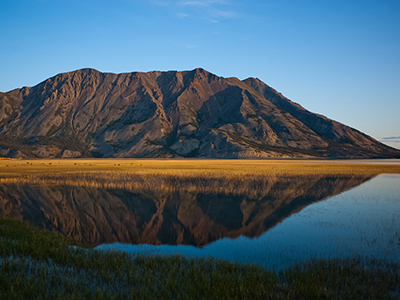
334	57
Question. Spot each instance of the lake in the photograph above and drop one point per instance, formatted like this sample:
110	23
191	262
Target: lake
268	220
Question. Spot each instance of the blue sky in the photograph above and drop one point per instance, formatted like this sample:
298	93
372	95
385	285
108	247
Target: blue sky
337	58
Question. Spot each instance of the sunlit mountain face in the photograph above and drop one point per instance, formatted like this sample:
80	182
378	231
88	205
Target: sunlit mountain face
195	113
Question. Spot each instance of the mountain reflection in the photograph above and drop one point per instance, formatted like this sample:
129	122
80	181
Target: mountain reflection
163	209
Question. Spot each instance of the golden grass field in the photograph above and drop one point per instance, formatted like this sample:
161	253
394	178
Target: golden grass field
197	167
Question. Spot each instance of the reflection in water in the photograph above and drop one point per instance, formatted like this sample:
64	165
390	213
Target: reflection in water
363	222
160	209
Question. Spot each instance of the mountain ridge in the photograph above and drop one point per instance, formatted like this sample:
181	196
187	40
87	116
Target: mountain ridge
86	113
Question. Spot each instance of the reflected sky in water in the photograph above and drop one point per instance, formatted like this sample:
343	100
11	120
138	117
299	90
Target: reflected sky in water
362	221
273	221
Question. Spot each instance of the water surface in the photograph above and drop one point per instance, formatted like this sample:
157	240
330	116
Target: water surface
272	221
363	221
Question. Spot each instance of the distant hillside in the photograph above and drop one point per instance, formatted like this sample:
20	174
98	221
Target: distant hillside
169	114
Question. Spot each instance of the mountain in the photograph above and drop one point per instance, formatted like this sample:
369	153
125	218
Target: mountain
195	113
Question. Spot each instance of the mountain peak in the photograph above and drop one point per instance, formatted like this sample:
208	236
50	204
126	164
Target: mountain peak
199	70
82	72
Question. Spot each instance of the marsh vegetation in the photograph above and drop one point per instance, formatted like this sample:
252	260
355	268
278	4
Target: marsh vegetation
36	264
199	201
204	167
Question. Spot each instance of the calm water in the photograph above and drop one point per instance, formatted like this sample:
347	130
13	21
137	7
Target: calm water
269	221
363	221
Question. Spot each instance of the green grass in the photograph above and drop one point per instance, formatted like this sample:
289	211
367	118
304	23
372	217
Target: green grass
37	264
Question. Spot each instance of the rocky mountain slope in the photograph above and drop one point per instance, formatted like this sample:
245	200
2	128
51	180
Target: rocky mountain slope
169	114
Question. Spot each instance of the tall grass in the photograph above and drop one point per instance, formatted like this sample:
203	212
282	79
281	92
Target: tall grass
252	185
36	264
197	167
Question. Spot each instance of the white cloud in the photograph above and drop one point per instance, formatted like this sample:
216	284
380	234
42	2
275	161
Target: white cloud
182	15
217	13
161	2
205	3
211	10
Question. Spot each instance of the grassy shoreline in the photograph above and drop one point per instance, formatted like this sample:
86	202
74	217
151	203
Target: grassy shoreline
38	264
196	166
